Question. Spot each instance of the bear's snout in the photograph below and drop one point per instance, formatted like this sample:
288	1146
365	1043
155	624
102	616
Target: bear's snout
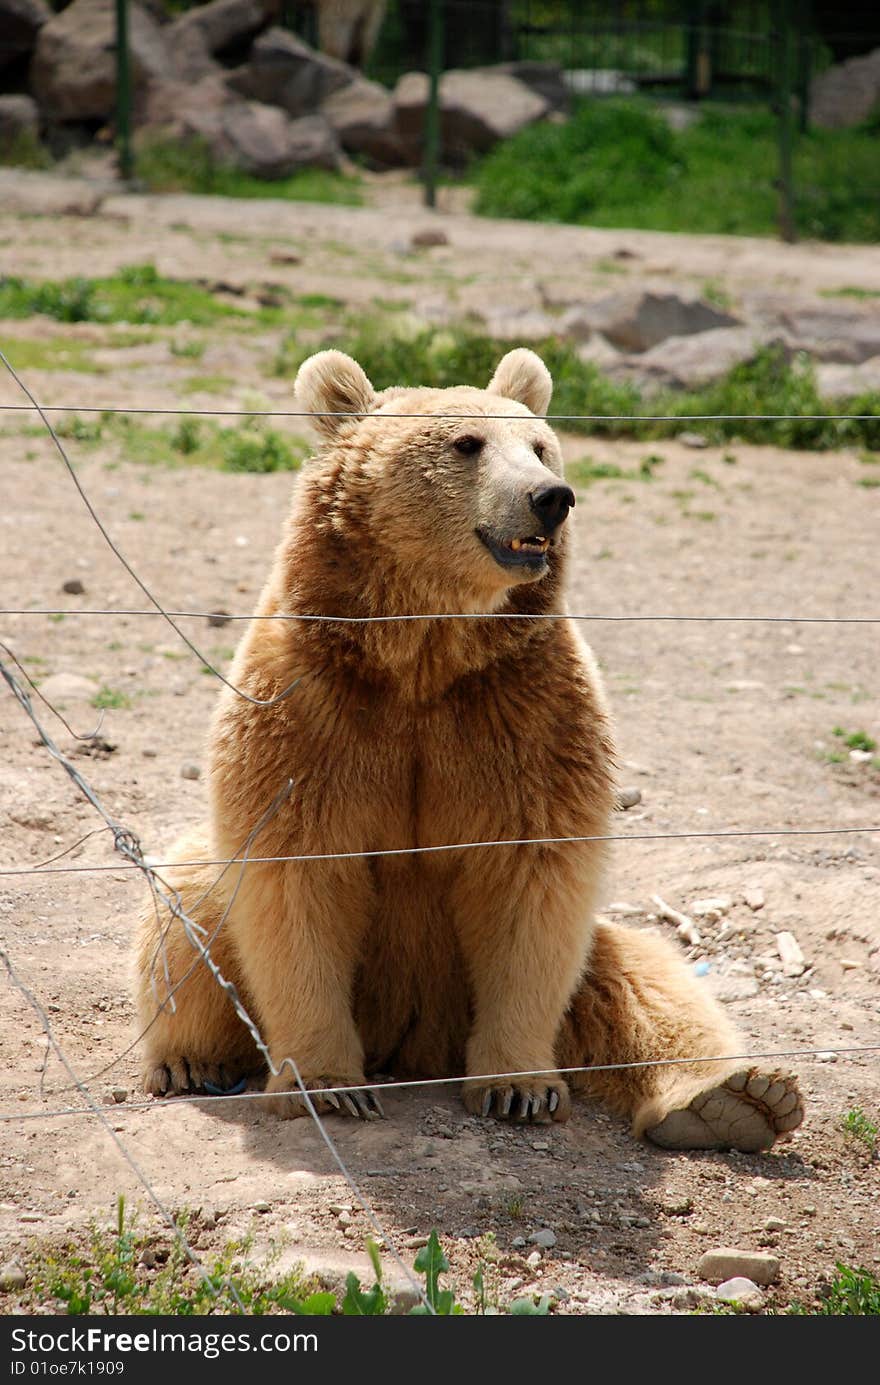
551	504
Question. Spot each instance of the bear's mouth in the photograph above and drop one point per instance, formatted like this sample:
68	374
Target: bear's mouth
529	551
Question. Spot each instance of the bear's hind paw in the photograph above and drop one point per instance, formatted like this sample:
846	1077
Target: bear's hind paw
182	1076
748	1112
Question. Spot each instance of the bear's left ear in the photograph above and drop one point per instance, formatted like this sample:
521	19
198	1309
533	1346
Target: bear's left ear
331	385
523	376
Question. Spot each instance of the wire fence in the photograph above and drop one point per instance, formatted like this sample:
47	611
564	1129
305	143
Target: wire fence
165	897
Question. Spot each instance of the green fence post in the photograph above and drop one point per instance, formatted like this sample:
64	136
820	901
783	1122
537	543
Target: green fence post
123	92
787	228
431	162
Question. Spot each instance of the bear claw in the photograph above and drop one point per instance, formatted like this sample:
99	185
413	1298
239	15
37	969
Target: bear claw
513	1103
361	1102
748	1112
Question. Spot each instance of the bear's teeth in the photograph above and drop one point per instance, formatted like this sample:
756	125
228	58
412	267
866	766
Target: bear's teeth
516	544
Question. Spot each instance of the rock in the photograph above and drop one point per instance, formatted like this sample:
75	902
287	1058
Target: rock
517	324
219	618
19	122
533	1260
847	93
262	1207
700	357
20	23
119	1094
576	324
754	898
697	440
23	192
283	71
73	586
787	946
430	236
627	798
348	30
12	1277
742	1291
69	687
829	333
728	1262
477	109
544	1237
223	25
362	116
73	72
838	381
775	1224
545	79
190	771
637	319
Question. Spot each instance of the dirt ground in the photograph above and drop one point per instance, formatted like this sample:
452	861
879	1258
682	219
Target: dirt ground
722	727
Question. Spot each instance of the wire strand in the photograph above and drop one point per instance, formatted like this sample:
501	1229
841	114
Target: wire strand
447	615
683	419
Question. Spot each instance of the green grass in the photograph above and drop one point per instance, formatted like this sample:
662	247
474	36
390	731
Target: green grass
206	384
135	294
392	354
855	740
856	1124
618	163
56	353
110	698
24	150
172	166
246	446
851	1293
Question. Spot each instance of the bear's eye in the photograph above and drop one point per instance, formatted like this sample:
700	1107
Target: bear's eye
538	448
468	446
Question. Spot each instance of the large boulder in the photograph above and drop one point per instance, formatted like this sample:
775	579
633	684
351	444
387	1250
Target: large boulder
363	118
847	93
248	135
348	29
477	109
283	71
225	25
19	123
73	72
848	381
692	361
20	22
546	79
637	319
833	333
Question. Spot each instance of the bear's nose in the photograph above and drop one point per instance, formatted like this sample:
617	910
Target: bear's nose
551	504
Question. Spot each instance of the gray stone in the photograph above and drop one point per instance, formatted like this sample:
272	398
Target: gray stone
20	22
477	109
545	79
46	194
517	324
792	957
362	115
73	586
742	1291
190	771
284	71
224	24
637	319
701	356
833	334
847	93
73	72
544	1237
837	381
19	121
728	1262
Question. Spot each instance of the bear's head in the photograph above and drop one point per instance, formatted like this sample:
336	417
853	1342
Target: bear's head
463	485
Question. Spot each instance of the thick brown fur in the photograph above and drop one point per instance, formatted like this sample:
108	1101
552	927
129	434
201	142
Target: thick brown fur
418	733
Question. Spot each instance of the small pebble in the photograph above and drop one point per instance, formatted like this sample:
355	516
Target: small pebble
545	1238
729	1262
219	618
534	1259
693	440
262	1207
430	235
742	1291
190	771
119	1095
12	1277
73	586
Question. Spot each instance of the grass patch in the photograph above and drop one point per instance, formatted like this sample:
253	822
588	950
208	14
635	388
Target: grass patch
246	446
206	384
855	740
851	1293
24	150
857	1125
392	353
57	353
110	698
135	294
175	166
618	164
849	291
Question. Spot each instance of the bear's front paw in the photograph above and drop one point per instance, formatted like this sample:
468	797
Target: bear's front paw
286	1098
538	1100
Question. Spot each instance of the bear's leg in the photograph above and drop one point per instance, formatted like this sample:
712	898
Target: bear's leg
299	927
639	1001
524	928
191	1034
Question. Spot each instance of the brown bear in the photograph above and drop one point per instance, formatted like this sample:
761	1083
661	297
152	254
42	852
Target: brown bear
369	946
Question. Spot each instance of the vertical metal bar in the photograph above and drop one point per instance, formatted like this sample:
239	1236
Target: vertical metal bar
787	229
123	92
431	156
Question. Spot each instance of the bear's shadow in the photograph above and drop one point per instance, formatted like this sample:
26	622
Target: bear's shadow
607	1197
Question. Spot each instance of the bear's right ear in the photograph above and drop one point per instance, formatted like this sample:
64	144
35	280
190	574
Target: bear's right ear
331	386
